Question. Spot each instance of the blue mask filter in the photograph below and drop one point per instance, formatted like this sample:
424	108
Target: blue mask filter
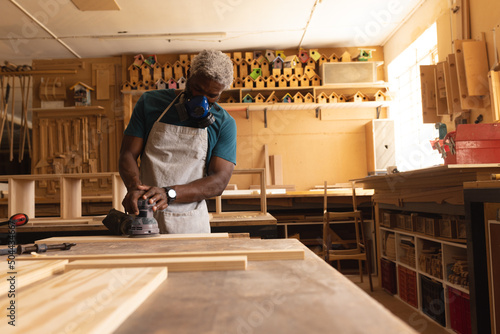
198	107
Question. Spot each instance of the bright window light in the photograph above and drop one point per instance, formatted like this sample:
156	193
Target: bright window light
413	150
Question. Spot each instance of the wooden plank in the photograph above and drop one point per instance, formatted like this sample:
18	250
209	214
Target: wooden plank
118	238
174	264
441	97
277	169
466	101
95	5
102	85
494	83
451	81
266	166
30	271
476	67
428	88
91	300
251	254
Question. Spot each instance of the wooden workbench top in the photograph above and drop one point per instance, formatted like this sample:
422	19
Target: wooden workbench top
288	296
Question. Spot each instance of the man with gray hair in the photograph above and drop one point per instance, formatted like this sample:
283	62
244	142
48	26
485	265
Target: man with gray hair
187	146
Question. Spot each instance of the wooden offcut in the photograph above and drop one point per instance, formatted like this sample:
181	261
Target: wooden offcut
90	300
95	5
118	238
174	264
30	271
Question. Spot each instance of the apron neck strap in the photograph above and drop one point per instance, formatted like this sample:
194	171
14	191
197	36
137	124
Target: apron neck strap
170	105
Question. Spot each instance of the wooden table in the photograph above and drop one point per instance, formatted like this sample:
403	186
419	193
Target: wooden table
288	296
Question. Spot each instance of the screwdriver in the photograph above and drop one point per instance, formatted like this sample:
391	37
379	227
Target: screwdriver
39	248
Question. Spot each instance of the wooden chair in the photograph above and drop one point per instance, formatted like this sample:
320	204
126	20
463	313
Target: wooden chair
356	249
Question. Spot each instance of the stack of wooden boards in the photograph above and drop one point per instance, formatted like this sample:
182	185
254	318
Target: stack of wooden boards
95	293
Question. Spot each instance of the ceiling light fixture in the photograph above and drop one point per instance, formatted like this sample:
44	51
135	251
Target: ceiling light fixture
217	35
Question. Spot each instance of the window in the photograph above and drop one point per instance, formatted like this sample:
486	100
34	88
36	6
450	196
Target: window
413	149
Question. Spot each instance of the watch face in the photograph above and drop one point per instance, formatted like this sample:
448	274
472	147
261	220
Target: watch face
171	193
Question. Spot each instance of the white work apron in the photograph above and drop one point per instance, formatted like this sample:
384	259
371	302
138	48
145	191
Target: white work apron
176	155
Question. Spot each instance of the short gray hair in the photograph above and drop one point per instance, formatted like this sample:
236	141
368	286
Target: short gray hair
214	65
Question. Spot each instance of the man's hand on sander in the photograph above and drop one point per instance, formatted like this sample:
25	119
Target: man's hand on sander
155	195
130	200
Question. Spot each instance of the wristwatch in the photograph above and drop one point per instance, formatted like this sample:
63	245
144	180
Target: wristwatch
171	195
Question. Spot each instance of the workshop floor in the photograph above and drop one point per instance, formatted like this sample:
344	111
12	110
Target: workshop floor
412	317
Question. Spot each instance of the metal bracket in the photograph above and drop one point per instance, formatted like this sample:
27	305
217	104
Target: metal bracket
248	114
318	109
379	109
265	117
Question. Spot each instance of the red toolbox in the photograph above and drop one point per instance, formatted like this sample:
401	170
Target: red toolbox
473	144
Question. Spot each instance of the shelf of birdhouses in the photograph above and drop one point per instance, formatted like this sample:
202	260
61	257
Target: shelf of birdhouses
77	110
303	106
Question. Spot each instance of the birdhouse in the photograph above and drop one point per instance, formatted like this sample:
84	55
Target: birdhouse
256	72
150	60
142	86
334	98
278	63
341	98
133	74
184	60
181	83
161	84
272	98
270	55
309	72
126	86
277	73
146	74
346	57
138	60
298	98
303	56
248	99
81	93
257	54
333	58
249	57
271	81
172	84
288	72
322	59
248	82
259	98
315	80
380	96
157	72
311	63
365	54
264	66
260	82
178	70
243	68
254	64
235	70
167	71
322	98
282	82
238	83
308	98
281	54
287	98
231	100
358	97
237	57
293	81
304	81
314	54
290	61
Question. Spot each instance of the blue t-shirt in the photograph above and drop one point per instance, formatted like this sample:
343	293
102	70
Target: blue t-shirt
221	134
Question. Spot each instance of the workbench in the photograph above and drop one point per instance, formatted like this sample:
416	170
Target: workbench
278	296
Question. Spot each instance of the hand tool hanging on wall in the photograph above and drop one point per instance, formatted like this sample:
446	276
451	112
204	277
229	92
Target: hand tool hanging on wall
5	103
39	248
11	134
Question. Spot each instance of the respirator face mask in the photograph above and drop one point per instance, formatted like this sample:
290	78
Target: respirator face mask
196	108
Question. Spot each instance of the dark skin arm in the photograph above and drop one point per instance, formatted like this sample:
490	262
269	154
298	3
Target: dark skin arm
218	176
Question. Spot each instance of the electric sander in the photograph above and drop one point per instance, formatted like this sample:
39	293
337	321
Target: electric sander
142	225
